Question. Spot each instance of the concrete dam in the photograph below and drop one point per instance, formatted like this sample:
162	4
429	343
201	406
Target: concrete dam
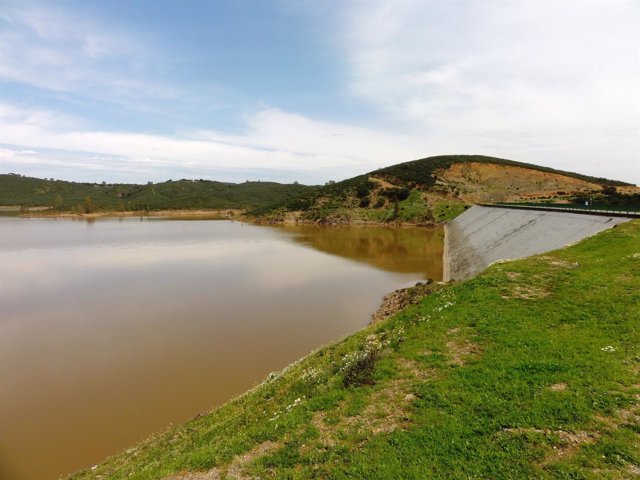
484	235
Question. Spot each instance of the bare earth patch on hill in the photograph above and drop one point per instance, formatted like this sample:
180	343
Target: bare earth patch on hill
487	182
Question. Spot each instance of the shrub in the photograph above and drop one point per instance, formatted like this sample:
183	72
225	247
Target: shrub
89	206
359	367
362	190
365	202
396	193
403	193
379	203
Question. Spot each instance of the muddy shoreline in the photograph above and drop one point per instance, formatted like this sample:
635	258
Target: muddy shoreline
213	214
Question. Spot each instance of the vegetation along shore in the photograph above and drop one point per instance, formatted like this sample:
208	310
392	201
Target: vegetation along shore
421	192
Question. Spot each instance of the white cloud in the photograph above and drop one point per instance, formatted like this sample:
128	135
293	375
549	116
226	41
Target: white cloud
276	145
551	83
555	83
56	50
500	58
280	145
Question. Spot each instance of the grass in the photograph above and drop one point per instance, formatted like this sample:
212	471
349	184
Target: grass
528	371
448	210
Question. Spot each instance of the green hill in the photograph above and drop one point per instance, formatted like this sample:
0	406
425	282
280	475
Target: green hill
433	189
529	371
17	190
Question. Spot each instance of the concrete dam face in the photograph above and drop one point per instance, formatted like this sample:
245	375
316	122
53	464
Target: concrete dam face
484	235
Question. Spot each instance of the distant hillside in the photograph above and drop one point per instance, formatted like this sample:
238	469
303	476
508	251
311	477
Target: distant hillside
17	190
429	190
424	171
434	189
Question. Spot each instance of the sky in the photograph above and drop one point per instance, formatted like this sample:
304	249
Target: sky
311	91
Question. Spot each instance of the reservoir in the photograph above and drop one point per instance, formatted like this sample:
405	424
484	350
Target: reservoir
110	330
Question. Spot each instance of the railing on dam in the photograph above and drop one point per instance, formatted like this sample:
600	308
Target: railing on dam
608	210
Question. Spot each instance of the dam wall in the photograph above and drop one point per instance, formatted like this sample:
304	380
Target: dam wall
484	235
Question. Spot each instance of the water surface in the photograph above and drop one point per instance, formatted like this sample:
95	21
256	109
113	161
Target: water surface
113	329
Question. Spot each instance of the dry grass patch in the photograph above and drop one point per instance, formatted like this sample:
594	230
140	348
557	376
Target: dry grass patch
235	469
564	264
569	442
387	410
413	369
528	292
558	387
213	474
624	416
459	349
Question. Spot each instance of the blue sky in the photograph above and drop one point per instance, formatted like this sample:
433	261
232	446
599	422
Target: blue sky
314	90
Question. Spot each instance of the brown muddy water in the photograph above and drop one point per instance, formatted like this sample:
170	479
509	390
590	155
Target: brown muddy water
110	330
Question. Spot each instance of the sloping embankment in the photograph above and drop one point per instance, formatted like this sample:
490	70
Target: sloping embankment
483	235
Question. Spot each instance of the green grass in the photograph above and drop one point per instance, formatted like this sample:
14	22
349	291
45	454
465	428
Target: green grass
528	371
448	210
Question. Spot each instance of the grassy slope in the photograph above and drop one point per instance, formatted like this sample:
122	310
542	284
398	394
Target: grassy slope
18	190
337	202
527	371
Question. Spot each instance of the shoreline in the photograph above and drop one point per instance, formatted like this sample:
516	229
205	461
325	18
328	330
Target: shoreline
222	213
201	213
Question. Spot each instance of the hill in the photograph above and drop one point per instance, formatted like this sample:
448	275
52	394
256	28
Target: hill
435	189
17	190
424	191
528	371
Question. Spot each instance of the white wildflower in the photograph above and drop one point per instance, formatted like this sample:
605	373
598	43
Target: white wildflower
310	375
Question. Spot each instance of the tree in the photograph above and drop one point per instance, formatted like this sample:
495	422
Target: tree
403	193
89	206
57	203
362	190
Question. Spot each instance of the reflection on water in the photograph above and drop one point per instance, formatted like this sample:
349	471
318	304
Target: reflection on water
407	250
111	330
